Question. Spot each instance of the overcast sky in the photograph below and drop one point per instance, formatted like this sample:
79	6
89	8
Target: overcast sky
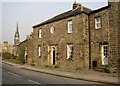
30	13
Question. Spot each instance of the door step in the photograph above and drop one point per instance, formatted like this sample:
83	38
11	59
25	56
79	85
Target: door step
100	69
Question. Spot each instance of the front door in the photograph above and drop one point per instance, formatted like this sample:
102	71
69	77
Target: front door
104	54
52	55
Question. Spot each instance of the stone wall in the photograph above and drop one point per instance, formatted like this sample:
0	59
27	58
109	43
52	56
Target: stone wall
119	38
21	47
98	36
30	49
114	34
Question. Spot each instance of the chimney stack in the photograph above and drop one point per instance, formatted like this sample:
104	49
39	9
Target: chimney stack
76	5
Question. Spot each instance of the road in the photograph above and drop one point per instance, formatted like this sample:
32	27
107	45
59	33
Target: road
16	75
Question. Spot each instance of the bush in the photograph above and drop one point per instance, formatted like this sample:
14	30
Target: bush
14	61
57	66
110	70
14	57
77	68
46	66
6	55
21	56
32	64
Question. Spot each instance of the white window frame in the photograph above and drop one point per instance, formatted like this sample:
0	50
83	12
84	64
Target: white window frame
39	51
104	53
70	26
52	29
40	33
69	51
98	22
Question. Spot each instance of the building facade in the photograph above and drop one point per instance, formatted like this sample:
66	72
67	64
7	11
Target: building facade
79	38
6	47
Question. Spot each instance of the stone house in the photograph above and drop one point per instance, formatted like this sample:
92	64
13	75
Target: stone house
6	47
78	38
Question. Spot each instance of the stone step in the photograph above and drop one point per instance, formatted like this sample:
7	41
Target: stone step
100	69
107	70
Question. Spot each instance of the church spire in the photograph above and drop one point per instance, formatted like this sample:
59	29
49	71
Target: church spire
17	28
76	5
16	36
74	1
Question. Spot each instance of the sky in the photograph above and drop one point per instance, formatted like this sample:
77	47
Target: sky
29	13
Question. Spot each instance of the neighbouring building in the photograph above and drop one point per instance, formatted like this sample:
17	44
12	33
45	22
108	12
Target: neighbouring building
26	47
105	35
6	47
79	37
20	49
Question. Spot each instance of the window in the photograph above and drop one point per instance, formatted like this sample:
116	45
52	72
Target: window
39	33
52	29
69	51
70	26
98	23
104	54
39	51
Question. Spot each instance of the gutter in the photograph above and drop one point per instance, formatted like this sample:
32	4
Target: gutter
89	41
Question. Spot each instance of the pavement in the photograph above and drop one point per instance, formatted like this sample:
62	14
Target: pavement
91	75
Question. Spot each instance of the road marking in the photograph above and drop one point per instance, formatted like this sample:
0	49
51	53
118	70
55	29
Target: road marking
14	74
34	81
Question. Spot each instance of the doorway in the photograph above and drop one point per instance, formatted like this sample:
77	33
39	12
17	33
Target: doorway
52	55
104	54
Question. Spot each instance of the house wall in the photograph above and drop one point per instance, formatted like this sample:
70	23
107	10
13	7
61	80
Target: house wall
119	37
30	49
61	38
21	46
114	34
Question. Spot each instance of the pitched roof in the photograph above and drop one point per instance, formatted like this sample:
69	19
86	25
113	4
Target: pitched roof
64	15
100	9
22	42
70	13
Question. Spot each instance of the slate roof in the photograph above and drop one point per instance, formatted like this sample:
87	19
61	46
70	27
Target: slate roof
22	42
64	15
70	13
100	9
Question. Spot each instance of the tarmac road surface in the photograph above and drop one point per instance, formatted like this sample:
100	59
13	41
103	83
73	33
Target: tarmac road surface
15	75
